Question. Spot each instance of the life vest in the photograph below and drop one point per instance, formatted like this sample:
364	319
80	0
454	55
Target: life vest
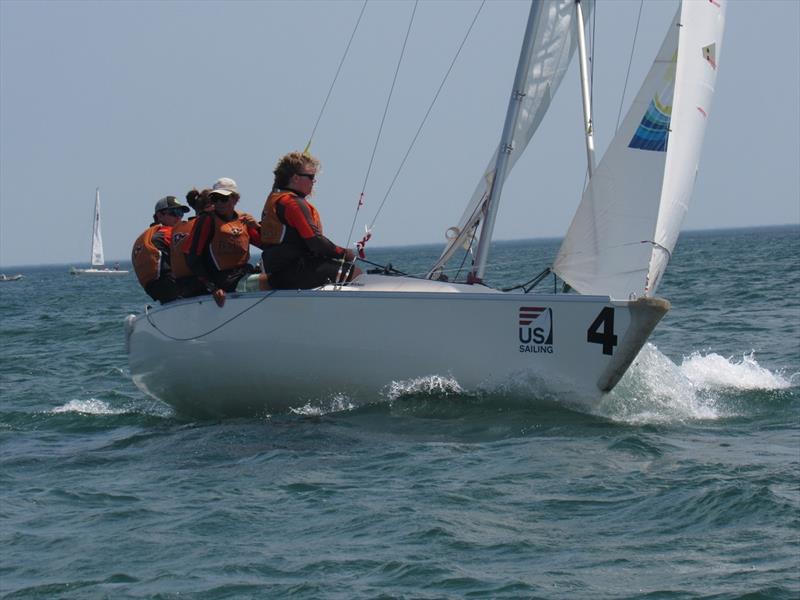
180	233
146	258
273	229
230	246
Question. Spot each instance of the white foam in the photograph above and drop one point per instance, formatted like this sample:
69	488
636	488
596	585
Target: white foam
338	403
657	390
87	407
435	385
712	371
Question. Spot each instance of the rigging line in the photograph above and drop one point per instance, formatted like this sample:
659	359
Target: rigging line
383	120
197	337
467	252
535	280
335	77
452	243
591	60
427	114
630	62
388	268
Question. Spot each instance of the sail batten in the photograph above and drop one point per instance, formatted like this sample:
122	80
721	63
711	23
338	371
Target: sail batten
642	186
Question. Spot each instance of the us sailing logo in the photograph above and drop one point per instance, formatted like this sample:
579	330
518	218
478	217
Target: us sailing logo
536	329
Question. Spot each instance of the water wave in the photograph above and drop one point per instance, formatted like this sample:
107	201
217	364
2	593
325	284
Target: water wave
656	390
334	404
712	371
128	406
430	385
88	407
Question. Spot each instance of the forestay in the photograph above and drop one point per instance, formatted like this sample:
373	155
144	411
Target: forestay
555	42
626	226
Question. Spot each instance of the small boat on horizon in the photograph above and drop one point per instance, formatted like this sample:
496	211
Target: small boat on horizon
97	261
4	277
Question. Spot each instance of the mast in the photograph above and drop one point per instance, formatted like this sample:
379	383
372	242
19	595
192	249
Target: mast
506	146
587	103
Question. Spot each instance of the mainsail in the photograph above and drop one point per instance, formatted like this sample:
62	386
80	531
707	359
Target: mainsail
555	42
97	238
627	224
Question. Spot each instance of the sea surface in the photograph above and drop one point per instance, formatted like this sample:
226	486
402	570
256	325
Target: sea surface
684	482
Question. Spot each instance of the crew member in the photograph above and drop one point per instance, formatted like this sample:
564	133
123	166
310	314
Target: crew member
295	253
151	251
218	247
188	283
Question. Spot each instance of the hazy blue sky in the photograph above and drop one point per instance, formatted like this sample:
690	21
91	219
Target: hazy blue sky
145	99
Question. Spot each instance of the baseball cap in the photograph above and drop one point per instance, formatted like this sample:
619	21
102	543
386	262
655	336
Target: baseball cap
170	202
224	186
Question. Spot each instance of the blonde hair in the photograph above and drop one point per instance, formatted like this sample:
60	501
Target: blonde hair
291	164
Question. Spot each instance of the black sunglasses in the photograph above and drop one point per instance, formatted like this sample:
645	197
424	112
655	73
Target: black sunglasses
218	199
175	212
311	176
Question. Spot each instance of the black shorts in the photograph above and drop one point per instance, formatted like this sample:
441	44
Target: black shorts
309	272
163	289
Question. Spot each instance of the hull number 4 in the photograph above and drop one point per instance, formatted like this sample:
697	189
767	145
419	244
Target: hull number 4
604	321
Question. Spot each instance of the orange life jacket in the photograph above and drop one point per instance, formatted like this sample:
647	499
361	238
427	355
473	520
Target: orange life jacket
230	246
180	232
146	258
272	228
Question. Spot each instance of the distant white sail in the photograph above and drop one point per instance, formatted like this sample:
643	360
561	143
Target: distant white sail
555	43
626	226
97	237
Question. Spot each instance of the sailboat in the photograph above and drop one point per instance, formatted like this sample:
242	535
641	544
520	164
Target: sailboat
97	261
279	350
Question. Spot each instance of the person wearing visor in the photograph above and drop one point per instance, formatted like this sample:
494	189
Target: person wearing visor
218	247
151	251
296	255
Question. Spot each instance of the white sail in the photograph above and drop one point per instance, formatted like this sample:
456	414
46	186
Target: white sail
555	42
97	238
626	226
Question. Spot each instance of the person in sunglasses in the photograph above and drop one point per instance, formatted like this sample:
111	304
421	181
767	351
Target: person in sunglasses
151	251
218	247
296	255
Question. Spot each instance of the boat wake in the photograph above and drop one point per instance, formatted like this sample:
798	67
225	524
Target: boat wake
432	386
337	403
656	390
88	407
95	407
715	371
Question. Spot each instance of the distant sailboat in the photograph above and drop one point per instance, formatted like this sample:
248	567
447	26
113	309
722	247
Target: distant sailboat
98	264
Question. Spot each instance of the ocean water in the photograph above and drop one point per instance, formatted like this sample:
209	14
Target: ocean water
684	482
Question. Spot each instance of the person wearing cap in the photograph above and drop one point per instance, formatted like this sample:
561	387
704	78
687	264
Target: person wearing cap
151	251
296	255
218	247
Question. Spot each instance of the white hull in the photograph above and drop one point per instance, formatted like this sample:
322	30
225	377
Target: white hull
74	271
278	350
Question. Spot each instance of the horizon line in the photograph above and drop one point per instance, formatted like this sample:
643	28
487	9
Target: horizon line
126	261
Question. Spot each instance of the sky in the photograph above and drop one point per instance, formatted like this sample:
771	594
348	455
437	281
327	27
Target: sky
147	99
